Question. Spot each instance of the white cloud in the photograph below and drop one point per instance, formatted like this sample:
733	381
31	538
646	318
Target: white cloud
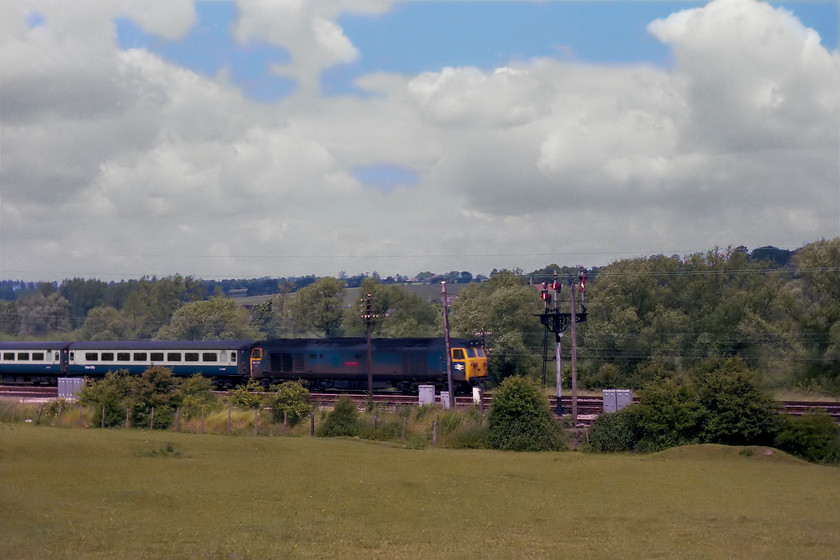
119	163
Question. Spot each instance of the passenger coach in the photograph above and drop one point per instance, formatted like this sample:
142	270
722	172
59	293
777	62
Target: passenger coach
32	362
224	361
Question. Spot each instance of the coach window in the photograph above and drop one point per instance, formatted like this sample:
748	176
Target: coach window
157	356
233	357
209	357
191	357
23	356
123	357
9	356
173	357
91	356
107	356
140	356
55	357
38	356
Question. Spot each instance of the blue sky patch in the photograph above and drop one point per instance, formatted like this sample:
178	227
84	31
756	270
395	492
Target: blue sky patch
35	19
210	46
385	176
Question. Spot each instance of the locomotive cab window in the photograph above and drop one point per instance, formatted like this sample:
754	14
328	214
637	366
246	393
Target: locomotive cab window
458	354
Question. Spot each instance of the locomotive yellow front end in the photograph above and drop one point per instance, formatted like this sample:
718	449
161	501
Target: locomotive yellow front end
471	362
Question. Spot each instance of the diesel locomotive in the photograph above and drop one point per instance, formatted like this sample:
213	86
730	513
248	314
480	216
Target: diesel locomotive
323	364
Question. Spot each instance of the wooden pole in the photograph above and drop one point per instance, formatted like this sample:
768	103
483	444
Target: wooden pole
103	415
126	418
434	433
255	421
312	423
202	420
152	420
574	357
448	345
229	410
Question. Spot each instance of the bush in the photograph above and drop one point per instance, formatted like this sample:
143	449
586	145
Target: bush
114	392
195	394
247	396
290	399
342	421
154	390
738	410
813	437
520	418
669	415
617	431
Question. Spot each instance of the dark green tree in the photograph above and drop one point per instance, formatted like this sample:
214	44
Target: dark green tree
318	308
520	418
217	318
737	410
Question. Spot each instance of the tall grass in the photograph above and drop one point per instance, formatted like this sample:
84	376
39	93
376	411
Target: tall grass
77	494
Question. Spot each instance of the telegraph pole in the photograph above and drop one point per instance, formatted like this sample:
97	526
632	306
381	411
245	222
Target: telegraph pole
448	345
368	316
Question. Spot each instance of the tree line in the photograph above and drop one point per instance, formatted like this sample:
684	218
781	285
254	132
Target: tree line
649	318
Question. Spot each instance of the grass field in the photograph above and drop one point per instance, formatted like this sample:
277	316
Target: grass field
70	493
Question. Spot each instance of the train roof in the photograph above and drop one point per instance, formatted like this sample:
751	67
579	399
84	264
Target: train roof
162	345
419	343
31	345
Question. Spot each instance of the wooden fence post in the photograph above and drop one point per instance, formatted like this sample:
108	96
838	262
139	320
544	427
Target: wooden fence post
312	423
202	420
103	416
255	421
285	420
229	411
126	418
434	433
152	421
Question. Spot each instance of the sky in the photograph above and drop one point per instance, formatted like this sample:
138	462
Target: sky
251	138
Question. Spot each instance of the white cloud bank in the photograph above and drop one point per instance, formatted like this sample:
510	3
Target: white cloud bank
118	164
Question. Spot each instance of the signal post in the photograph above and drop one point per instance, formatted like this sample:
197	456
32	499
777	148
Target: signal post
556	322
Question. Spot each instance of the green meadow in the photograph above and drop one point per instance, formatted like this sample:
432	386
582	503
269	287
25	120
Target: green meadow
91	493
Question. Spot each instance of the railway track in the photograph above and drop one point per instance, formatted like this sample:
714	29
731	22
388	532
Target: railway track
588	407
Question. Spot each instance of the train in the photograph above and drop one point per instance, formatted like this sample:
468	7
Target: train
326	364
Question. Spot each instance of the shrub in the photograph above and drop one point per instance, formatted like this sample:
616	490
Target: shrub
114	392
247	396
617	431
290	399
669	415
814	437
154	390
520	418
738	410
342	421
195	394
